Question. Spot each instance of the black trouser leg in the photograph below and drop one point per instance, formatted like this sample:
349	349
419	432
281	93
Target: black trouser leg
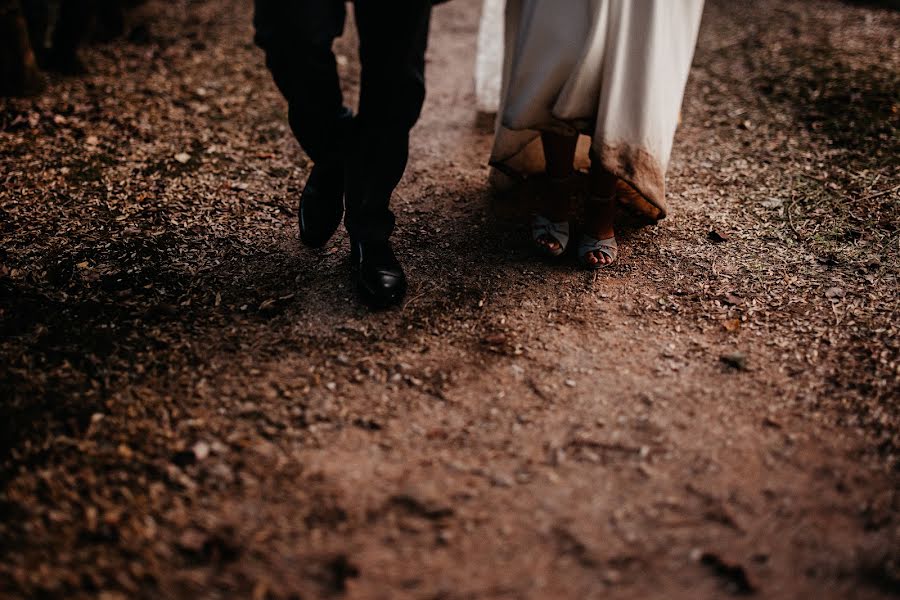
110	19
392	47
71	28
37	15
297	36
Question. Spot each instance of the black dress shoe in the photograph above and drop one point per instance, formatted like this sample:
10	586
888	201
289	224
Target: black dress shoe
322	204
379	277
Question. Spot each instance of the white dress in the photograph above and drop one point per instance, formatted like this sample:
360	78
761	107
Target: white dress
489	57
614	70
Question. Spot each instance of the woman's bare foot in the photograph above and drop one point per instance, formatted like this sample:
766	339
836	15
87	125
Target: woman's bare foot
599	220
555	199
555	205
600	215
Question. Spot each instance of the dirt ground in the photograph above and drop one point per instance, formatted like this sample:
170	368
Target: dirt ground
193	406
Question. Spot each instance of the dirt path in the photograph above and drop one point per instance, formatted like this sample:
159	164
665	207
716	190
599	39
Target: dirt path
193	407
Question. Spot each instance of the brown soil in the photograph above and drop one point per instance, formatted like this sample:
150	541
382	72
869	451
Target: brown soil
194	407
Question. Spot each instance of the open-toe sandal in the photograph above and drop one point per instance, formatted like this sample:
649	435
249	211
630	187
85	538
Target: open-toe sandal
543	228
589	245
564	190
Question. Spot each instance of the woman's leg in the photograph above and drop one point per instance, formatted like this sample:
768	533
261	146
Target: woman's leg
554	203
559	153
600	211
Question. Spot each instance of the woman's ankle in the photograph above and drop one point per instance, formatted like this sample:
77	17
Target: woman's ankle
561	175
600	216
555	212
557	196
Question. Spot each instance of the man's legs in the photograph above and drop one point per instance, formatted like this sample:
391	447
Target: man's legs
361	158
392	47
297	36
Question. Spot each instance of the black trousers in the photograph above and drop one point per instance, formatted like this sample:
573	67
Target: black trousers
297	37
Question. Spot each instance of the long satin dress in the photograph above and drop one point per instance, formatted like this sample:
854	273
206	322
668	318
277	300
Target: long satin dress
614	70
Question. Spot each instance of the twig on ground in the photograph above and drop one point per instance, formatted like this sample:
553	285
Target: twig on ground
879	194
787	212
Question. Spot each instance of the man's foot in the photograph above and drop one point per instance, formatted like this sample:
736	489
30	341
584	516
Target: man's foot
379	277
322	204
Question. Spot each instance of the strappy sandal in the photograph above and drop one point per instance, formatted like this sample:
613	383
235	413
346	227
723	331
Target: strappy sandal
565	189
544	228
589	245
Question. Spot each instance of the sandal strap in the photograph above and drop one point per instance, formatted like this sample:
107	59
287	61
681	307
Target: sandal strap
543	227
588	244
